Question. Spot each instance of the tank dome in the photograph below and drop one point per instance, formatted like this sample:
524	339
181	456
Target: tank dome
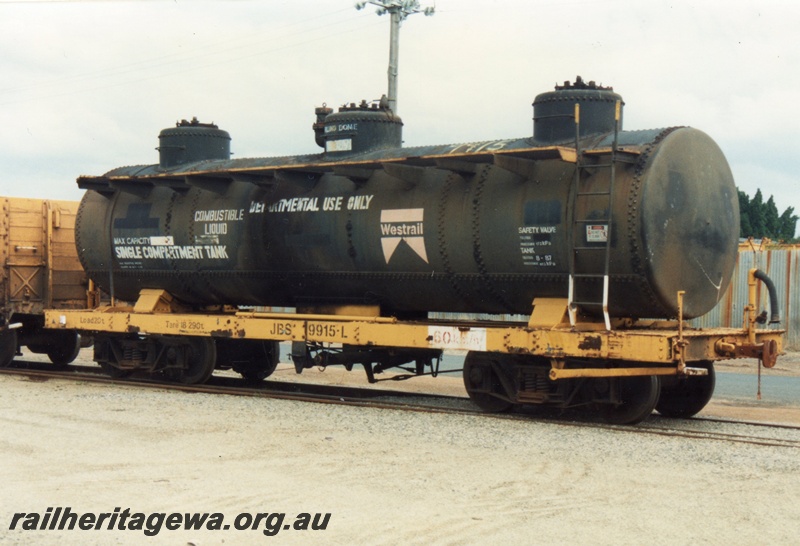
554	111
191	141
360	128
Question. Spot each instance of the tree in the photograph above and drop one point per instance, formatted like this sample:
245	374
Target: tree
758	216
788	225
771	219
745	228
759	219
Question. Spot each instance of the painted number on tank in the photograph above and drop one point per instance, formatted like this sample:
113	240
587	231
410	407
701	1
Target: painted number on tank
453	337
477	147
326	330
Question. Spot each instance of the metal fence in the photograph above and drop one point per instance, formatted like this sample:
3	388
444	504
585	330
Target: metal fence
782	264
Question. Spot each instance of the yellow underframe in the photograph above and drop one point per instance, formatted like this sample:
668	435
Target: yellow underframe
654	348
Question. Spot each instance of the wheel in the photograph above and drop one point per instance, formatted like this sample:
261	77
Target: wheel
65	348
481	380
257	359
685	396
201	357
638	397
8	347
264	357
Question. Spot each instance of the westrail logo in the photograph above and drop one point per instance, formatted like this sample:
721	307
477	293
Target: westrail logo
402	225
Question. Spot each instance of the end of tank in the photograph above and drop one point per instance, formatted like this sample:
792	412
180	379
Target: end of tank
689	222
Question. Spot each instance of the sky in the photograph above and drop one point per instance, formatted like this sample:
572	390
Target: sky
86	86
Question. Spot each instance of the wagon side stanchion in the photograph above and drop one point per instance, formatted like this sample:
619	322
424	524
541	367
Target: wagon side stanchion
681	342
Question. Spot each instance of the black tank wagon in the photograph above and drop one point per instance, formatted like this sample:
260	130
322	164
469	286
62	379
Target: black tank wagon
581	220
482	228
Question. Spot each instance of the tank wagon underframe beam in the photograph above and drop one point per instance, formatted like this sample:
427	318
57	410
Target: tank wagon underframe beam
654	348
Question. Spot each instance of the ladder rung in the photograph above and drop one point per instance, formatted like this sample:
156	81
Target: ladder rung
593	221
588	275
584	303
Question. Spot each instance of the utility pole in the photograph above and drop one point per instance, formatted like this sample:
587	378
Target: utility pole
399	10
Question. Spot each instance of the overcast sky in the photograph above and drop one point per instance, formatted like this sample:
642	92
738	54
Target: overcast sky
87	85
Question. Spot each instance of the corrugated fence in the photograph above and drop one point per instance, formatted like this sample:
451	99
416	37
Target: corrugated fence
782	264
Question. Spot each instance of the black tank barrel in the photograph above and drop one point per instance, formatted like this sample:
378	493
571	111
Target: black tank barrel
480	227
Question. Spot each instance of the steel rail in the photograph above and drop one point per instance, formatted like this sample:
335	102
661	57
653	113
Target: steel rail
350	400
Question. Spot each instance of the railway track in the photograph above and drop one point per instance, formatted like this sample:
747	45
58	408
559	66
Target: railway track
734	431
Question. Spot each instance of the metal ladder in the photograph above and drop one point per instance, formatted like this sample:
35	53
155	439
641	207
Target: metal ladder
582	226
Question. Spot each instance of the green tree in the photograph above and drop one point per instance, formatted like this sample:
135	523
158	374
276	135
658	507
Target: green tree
771	219
788	225
745	228
759	219
758	216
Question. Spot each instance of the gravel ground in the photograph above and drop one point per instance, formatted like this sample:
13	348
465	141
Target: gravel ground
385	476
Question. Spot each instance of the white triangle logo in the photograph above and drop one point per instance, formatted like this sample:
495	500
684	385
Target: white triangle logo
403	225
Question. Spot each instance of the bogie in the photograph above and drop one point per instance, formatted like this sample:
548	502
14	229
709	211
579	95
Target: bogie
497	382
188	360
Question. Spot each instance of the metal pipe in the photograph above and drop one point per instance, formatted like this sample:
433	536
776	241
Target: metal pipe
775	317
